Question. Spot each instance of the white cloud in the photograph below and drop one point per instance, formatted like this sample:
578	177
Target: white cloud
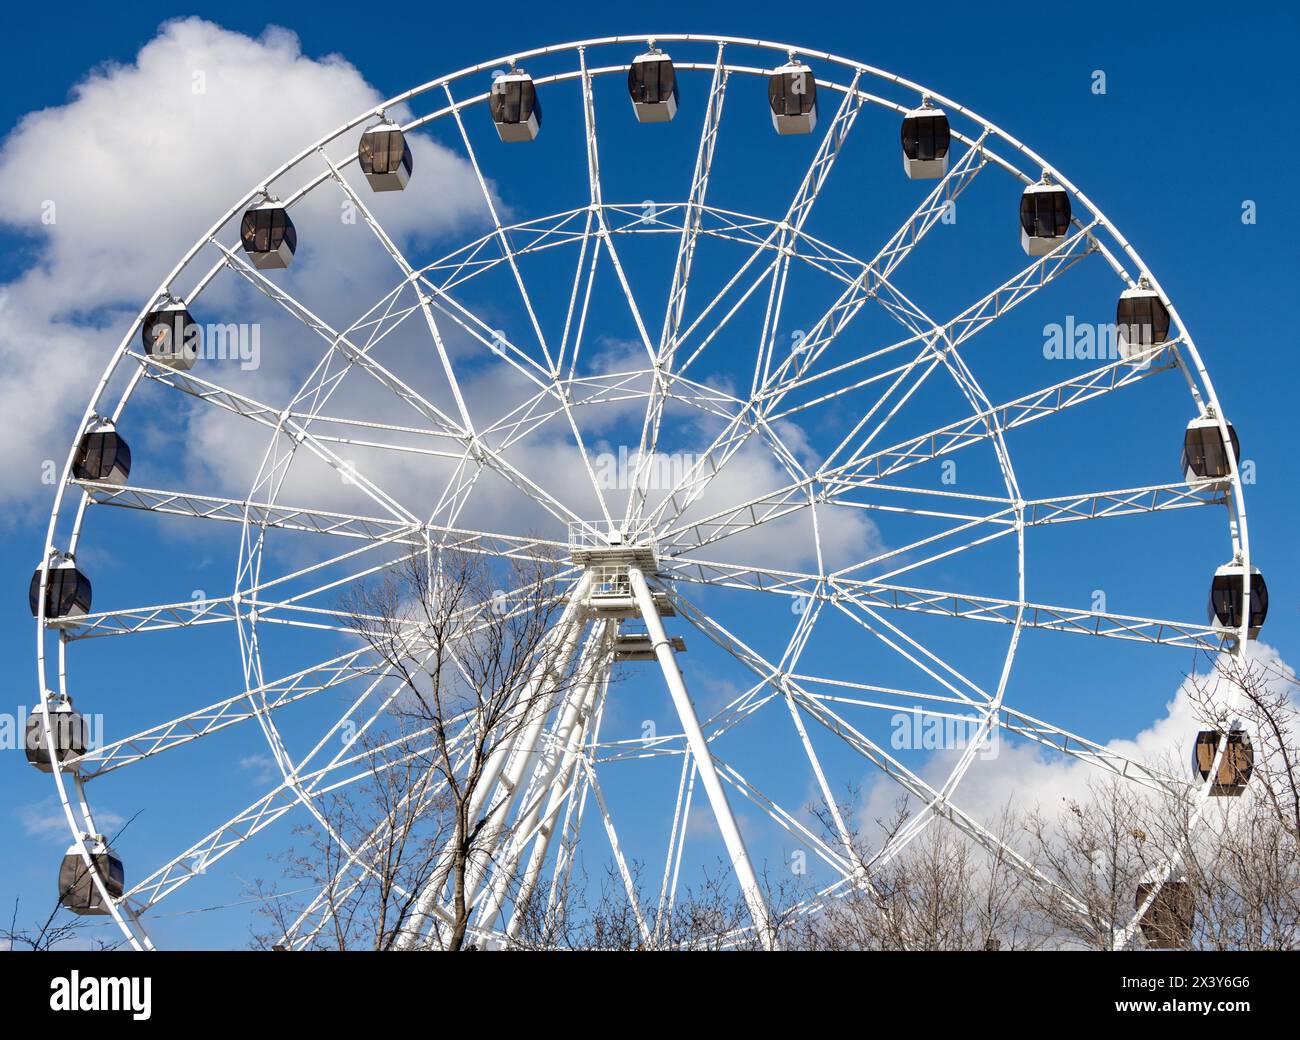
1032	778
260	767
45	821
137	165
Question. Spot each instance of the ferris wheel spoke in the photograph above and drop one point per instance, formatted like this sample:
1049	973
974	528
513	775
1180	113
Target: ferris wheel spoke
802	247
551	389
597	201
776	274
834	482
404	265
277	420
271	610
692	218
165	736
938	806
362	360
923	658
952	333
299	788
352	874
218	610
793	370
503	237
585	392
956	332
355	869
605	239
260	514
495	341
1084	750
937	803
796	216
532	238
947	604
1097	505
784	819
161	617
239	829
693	214
781	237
897	642
855	694
975	318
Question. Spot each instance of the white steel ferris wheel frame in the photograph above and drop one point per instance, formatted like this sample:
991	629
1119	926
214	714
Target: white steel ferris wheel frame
565	765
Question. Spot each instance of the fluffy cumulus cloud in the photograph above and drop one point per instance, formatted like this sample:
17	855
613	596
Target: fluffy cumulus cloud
142	159
1030	778
109	190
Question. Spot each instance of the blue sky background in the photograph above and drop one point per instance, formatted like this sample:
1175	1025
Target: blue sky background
1195	121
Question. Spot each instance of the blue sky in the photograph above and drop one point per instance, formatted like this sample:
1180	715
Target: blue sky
1185	134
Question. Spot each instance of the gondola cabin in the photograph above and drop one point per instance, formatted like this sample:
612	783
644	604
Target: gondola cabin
171	336
1044	218
652	83
67	590
1169	920
926	140
1141	320
1235	767
77	888
1227	591
66	726
268	236
384	156
102	455
515	108
1205	457
792	95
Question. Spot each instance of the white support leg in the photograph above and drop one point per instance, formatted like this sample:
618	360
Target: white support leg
562	788
551	775
525	757
713	788
567	631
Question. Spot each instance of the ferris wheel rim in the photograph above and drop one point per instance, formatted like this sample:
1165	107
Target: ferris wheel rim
1206	397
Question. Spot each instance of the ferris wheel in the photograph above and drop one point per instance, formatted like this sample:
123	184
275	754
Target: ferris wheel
776	403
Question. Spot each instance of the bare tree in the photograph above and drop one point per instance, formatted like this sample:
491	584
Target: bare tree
624	915
1095	851
474	669
940	891
55	932
477	665
365	866
1243	861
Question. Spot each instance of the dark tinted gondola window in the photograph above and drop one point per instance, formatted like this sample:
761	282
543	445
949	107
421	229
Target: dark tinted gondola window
1203	452
99	453
1142	319
514	101
1045	214
383	151
66	589
926	137
164	332
651	82
264	230
1225	600
792	93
